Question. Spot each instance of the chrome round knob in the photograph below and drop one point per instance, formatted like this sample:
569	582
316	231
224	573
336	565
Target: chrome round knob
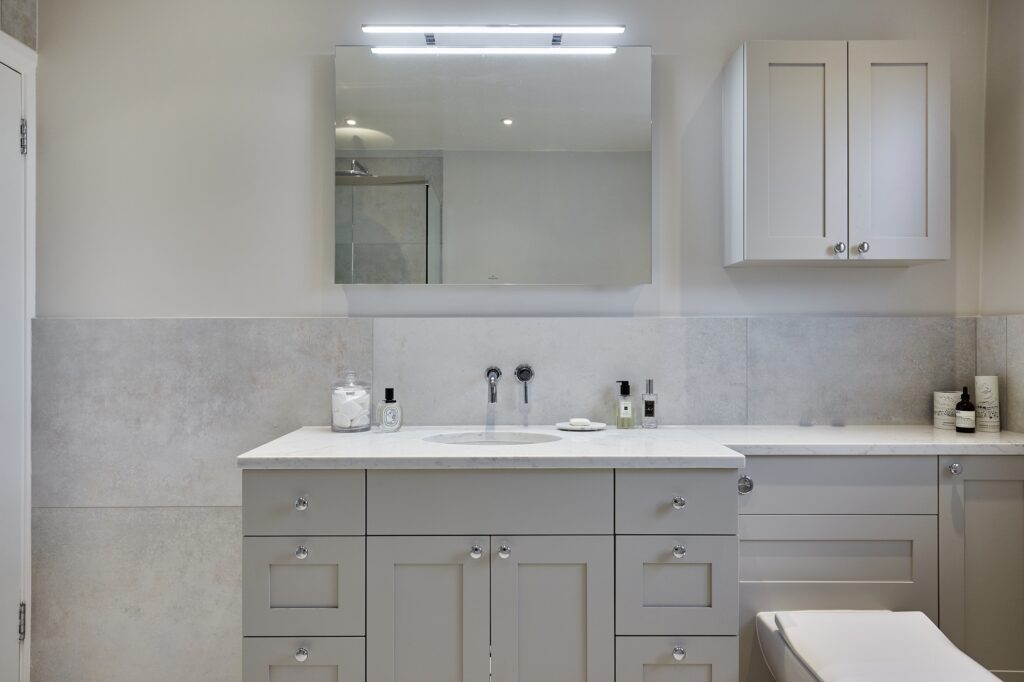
678	653
679	551
956	468
301	654
475	552
745	485
301	552
504	551
864	247
678	502
301	504
839	247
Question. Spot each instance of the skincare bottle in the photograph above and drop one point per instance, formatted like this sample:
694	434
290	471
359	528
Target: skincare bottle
624	414
389	412
649	418
965	414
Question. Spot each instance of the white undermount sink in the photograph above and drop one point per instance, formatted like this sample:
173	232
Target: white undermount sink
492	438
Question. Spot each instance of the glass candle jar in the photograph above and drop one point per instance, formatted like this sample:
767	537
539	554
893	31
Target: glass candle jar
350	405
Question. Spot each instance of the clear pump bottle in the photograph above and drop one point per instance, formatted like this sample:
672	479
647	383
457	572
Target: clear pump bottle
624	414
649	418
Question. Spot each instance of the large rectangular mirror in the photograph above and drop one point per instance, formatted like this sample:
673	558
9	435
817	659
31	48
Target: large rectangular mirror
493	169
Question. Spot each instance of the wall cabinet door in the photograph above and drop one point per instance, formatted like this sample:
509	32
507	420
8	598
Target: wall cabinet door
796	150
552	611
899	150
427	609
981	545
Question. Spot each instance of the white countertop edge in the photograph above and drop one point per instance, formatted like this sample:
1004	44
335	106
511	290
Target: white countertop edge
735	461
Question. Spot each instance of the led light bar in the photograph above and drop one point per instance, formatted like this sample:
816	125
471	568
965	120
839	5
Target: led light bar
484	29
493	50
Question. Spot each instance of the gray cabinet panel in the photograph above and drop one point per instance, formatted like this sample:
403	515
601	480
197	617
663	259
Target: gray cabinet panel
656	659
326	659
427	609
832	562
552	609
335	502
658	593
981	542
467	502
321	594
645	501
840	485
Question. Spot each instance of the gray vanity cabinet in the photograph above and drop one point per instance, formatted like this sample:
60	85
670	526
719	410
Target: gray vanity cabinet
303	659
676	659
981	544
552	611
428	614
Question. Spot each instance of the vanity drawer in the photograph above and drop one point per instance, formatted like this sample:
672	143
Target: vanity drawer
324	659
672	584
307	502
665	659
303	585
888	484
661	501
490	502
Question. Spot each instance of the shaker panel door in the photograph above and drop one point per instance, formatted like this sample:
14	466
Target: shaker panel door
796	150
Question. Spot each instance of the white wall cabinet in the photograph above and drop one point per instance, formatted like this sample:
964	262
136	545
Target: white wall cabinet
981	546
836	151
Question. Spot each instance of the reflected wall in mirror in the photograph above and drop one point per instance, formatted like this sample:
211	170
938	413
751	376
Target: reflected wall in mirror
493	169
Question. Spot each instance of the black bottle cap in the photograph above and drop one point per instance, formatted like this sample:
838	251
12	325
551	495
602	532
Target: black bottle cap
389	395
623	387
965	395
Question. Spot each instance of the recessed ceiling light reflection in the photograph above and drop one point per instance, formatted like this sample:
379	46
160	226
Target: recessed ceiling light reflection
350	121
507	121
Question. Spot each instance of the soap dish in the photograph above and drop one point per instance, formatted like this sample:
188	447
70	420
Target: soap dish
592	426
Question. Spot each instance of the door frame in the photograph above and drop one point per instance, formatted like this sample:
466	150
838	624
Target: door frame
23	59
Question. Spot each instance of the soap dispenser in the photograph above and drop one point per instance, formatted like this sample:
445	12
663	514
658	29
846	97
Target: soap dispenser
624	415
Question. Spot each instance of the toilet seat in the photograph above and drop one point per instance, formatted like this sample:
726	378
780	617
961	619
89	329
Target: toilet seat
861	646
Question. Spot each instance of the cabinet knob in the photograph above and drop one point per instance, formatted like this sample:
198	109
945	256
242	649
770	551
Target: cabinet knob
956	468
839	247
475	552
864	247
678	502
678	653
301	552
504	551
679	551
745	485
301	504
301	654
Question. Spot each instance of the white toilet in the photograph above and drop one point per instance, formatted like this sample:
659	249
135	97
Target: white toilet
861	646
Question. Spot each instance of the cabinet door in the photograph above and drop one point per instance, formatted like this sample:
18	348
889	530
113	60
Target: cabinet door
552	609
796	150
427	609
676	659
981	545
899	150
302	659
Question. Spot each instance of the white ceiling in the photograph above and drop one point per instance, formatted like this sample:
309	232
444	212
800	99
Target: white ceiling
457	102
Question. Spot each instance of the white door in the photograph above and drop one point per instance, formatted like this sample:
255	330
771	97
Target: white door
899	150
13	366
796	150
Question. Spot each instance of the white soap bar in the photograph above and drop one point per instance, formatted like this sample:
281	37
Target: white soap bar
579	421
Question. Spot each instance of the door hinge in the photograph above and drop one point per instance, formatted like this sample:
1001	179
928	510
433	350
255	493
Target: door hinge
24	136
21	622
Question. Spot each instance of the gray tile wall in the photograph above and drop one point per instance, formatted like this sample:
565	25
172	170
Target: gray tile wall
137	423
18	19
1001	352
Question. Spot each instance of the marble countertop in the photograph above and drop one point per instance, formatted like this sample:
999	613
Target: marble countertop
316	447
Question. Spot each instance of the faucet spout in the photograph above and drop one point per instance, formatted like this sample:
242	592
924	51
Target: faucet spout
493	374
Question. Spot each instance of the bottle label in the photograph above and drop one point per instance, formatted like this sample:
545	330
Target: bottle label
965	419
625	409
648	408
390	417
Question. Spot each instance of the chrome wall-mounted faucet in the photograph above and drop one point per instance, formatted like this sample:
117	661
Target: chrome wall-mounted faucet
493	374
523	375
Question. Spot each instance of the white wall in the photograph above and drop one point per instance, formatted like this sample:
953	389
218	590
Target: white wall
551	217
186	155
1002	277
